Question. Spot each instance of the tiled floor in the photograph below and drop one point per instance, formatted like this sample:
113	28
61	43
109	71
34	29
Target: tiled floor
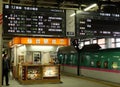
68	81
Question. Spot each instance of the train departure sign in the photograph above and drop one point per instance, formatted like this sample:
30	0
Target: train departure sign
94	24
29	20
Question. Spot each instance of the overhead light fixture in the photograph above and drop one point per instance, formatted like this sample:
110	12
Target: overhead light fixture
86	9
89	7
75	13
72	15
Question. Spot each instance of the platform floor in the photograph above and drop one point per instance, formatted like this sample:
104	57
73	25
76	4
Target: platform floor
69	81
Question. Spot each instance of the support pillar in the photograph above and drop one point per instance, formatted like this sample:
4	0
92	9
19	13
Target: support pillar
108	42
1	42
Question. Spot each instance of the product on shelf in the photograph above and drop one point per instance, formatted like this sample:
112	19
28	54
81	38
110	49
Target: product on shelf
33	73
50	71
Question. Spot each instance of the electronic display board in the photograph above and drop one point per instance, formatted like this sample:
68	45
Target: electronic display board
94	24
29	20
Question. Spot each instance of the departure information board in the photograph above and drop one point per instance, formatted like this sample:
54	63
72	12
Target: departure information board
29	20
93	24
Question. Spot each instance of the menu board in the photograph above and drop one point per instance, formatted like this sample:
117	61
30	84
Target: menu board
93	24
29	20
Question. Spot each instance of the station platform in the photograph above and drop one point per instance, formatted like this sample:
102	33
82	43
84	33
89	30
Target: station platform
69	80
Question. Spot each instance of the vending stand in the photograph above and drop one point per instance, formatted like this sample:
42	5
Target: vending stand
34	59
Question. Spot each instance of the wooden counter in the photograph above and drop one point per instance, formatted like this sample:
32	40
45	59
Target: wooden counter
36	74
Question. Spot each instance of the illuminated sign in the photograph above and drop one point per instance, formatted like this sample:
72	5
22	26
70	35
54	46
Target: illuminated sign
93	24
26	20
40	41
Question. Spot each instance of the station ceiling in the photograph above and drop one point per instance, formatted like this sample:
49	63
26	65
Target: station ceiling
63	4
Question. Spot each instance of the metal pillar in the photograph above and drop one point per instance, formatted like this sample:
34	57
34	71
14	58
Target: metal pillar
1	42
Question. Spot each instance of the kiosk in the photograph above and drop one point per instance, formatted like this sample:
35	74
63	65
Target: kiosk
35	59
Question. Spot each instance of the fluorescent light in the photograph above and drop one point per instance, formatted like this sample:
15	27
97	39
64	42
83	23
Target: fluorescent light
91	6
72	15
75	13
86	9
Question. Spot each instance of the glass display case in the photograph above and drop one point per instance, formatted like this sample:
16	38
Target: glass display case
37	73
33	73
50	71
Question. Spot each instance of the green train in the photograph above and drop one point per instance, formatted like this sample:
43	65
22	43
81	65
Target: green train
103	64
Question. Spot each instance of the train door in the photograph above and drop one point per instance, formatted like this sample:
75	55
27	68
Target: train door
87	58
60	58
115	63
96	60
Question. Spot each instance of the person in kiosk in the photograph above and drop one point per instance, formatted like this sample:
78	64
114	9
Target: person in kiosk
5	69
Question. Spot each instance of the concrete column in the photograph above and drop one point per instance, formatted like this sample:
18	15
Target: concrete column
0	45
15	55
91	41
108	42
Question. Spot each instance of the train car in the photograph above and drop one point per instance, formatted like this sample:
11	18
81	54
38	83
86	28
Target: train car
67	57
103	64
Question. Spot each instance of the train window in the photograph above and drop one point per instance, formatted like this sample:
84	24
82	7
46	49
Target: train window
82	58
92	63
98	64
65	59
114	65
71	59
106	64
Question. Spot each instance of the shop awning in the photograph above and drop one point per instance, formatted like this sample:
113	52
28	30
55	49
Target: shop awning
40	41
